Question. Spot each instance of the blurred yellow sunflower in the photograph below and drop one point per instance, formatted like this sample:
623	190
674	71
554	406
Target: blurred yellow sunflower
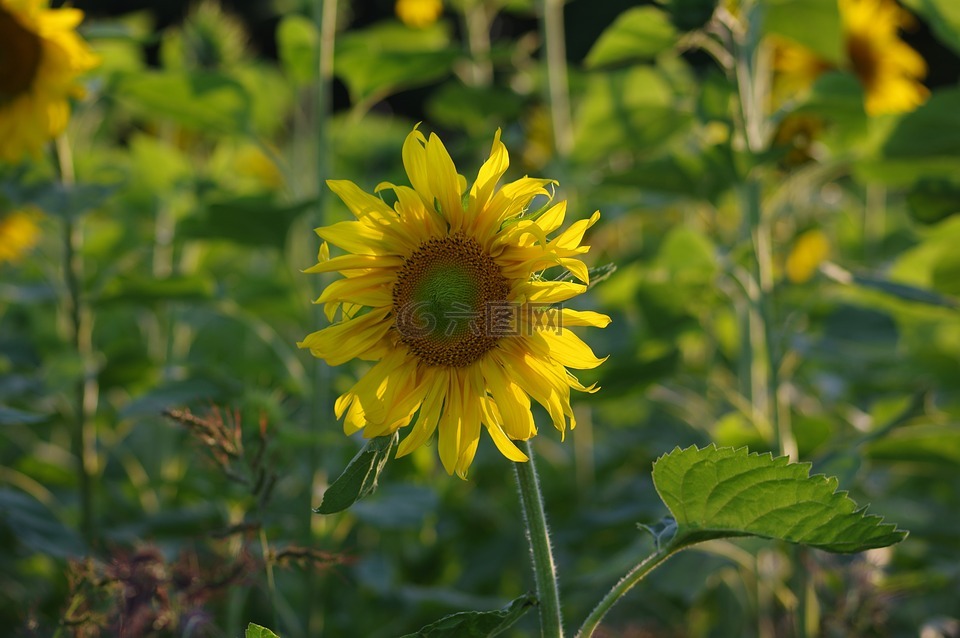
418	13
809	251
19	233
889	70
445	291
41	56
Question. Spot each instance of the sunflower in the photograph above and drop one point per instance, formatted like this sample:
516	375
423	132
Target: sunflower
19	233
418	14
446	292
889	70
41	56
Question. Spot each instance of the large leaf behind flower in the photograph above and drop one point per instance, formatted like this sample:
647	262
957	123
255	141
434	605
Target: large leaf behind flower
724	492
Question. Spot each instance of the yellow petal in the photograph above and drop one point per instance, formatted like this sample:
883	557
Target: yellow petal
346	340
360	203
570	350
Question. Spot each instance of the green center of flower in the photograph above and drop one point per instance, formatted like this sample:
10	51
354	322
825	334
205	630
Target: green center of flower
446	301
20	51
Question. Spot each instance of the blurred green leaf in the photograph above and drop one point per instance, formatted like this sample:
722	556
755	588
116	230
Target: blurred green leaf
138	289
639	33
35	527
627	111
933	443
256	220
900	290
812	23
943	17
925	144
12	416
932	200
474	109
200	100
477	624
257	631
297	46
385	58
690	14
722	492
705	174
946	273
360	477
174	394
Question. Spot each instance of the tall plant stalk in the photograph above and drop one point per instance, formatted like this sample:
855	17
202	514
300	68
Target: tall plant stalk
80	325
544	568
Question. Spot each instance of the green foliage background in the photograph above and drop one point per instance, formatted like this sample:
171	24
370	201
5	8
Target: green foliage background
197	189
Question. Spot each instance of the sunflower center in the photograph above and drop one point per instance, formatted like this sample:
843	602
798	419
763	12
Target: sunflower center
446	300
863	56
20	51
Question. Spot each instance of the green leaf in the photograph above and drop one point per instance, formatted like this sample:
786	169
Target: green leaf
812	23
723	492
385	58
932	200
925	144
12	416
257	631
639	33
256	220
140	289
635	108
477	624
943	17
933	443
200	100
360	477
297	47
896	289
474	109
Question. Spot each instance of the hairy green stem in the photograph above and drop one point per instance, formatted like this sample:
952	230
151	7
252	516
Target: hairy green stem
80	323
624	585
544	569
558	91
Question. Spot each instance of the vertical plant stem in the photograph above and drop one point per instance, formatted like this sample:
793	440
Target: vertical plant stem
476	17
80	323
558	91
624	585
325	15
544	569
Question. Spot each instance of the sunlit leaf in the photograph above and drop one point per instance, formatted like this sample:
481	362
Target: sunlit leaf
812	23
723	492
639	33
258	631
921	444
477	624
200	100
382	59
297	47
360	477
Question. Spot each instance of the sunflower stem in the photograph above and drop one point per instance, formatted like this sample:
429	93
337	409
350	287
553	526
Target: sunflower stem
80	324
544	569
624	585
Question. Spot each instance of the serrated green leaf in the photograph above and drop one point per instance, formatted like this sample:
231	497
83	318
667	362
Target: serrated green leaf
360	477
477	624
257	631
639	33
722	492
